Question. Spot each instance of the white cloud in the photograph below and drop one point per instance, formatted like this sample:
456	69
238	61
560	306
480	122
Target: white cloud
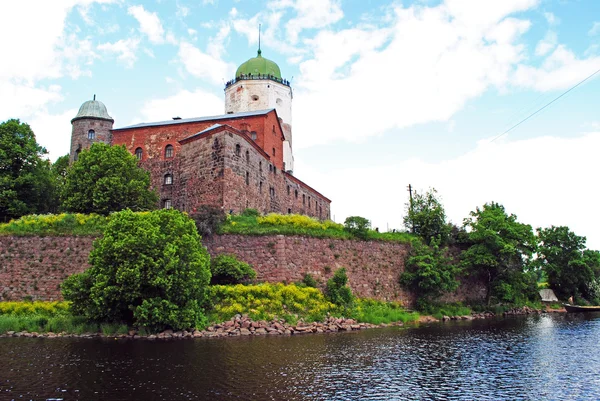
595	29
182	11
532	186
551	18
53	131
310	14
203	65
22	99
184	104
560	70
149	23
125	50
433	60
546	45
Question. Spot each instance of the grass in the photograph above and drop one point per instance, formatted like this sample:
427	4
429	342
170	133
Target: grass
55	225
294	224
440	310
377	312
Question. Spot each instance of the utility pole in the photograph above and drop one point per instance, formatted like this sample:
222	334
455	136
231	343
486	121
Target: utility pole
410	206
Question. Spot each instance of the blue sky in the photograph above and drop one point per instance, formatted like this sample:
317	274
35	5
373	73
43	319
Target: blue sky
386	93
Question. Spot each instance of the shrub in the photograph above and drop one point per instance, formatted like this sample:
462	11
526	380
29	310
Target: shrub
309	281
357	226
250	212
208	220
227	269
56	224
149	269
337	290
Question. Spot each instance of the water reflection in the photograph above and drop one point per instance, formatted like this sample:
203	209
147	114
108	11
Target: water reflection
539	357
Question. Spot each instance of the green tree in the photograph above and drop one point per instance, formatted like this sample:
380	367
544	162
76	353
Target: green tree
357	226
569	266
337	290
430	272
149	269
426	217
500	253
26	184
227	269
107	179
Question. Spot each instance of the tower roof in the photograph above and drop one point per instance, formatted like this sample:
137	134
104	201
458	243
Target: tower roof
93	109
259	65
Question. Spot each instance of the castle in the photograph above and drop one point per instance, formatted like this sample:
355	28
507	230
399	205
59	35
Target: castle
242	159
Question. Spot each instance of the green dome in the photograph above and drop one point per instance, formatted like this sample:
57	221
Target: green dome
93	109
259	65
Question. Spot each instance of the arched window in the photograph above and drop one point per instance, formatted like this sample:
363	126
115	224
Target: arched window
260	166
167	204
303	199
76	155
288	189
238	149
139	153
168	179
168	151
273	151
247	178
247	157
296	193
91	134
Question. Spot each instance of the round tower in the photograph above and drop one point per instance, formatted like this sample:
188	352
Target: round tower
258	85
91	124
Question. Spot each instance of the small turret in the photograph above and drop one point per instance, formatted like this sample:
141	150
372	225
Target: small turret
91	124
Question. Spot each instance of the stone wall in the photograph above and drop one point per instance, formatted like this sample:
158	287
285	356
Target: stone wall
35	266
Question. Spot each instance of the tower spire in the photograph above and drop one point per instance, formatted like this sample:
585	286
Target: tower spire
259	51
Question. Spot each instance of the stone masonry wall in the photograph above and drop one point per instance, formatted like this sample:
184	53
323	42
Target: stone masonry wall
35	266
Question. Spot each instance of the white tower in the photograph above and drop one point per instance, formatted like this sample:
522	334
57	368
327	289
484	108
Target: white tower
258	86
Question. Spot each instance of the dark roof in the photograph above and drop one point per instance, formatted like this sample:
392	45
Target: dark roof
199	119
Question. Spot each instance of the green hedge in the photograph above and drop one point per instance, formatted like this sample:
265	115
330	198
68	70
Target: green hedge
56	224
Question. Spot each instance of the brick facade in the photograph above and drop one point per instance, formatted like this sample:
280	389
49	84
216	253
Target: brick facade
217	162
35	266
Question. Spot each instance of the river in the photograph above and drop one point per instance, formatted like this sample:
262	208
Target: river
545	357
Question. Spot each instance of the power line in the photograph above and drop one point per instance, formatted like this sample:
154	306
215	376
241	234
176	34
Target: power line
546	105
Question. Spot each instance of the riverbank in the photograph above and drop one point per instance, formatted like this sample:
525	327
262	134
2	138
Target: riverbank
244	326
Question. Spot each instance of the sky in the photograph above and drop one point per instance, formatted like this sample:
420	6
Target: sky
386	93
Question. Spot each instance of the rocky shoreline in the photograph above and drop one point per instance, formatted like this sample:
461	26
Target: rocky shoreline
243	326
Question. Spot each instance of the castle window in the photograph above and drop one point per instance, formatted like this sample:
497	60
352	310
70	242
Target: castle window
167	204
260	166
247	178
273	151
270	167
289	211
91	134
288	189
253	135
309	202
296	193
274	170
168	151
260	187
303	199
247	157
76	155
168	179
139	153
238	149
272	191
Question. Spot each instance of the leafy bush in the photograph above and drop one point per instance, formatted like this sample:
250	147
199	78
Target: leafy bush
429	272
249	212
227	269
40	308
208	220
267	301
337	290
149	269
357	226
309	281
56	224
377	312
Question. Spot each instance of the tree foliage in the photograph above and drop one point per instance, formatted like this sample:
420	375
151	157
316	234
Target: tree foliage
430	272
357	226
571	269
337	290
227	269
26	182
426	217
149	269
500	252
107	179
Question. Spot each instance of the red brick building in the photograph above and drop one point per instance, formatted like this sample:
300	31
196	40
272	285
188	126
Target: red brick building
232	161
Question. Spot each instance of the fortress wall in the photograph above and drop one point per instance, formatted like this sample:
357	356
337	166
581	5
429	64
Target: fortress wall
35	266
